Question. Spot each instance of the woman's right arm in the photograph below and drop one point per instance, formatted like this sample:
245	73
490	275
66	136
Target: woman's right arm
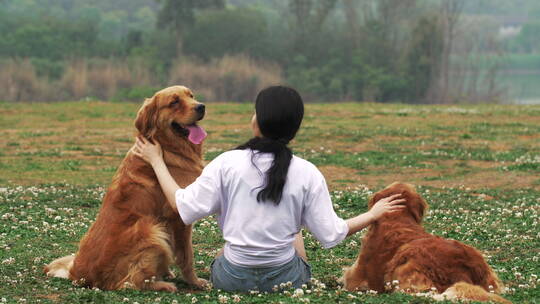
201	198
383	206
153	155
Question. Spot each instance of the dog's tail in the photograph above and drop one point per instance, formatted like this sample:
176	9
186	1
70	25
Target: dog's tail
60	267
466	291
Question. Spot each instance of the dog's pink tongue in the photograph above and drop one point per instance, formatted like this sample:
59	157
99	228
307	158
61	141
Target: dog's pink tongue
196	134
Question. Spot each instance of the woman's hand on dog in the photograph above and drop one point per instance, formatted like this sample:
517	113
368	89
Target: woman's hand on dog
388	204
151	153
383	206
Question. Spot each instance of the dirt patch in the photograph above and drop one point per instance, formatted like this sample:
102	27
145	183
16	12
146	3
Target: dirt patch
489	179
340	178
451	164
53	297
483	164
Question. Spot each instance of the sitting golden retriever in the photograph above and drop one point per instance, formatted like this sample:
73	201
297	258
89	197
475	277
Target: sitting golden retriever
136	235
396	248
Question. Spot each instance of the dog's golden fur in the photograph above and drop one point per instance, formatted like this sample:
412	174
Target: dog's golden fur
136	235
396	247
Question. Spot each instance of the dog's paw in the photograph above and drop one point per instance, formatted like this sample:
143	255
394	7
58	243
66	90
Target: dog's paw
164	286
201	284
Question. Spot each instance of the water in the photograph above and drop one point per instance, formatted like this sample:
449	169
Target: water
523	86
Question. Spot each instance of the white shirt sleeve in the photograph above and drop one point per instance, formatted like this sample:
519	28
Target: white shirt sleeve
201	198
320	218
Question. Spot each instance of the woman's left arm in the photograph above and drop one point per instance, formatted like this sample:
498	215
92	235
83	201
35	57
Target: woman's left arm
153	154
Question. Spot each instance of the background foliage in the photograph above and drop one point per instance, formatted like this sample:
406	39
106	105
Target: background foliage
387	50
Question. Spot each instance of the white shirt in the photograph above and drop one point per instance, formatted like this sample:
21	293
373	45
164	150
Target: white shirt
261	234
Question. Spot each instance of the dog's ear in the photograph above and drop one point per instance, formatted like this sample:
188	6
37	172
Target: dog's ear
146	120
417	206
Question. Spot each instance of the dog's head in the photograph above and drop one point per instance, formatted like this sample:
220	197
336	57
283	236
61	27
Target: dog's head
171	112
416	206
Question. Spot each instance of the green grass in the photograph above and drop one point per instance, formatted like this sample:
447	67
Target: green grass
477	166
43	222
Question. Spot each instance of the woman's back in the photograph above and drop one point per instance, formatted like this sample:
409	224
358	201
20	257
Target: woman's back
261	234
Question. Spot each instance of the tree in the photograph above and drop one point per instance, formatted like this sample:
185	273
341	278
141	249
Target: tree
450	14
228	31
351	17
179	15
423	59
309	16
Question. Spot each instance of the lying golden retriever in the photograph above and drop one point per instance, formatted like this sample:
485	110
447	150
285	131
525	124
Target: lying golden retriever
136	235
397	249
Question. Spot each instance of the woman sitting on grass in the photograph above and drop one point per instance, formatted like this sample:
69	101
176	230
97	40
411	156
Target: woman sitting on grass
263	195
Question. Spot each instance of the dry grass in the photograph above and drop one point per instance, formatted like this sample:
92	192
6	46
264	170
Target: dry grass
102	79
19	81
231	78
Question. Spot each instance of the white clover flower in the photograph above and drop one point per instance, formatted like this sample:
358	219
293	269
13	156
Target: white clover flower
298	292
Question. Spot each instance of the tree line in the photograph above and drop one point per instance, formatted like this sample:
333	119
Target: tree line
331	50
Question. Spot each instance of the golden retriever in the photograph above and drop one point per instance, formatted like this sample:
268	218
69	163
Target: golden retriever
397	249
136	235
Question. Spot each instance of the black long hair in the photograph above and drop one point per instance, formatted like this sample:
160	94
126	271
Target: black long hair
279	113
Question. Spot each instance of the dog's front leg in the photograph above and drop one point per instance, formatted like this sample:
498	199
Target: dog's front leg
354	278
183	251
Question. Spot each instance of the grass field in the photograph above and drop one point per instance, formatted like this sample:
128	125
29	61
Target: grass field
477	166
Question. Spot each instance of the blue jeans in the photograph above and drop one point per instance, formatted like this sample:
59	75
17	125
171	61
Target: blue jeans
229	277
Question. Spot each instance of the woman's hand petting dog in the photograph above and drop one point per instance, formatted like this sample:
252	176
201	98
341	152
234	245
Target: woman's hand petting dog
151	153
391	203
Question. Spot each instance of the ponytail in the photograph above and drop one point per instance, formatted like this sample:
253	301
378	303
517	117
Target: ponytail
279	112
277	174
